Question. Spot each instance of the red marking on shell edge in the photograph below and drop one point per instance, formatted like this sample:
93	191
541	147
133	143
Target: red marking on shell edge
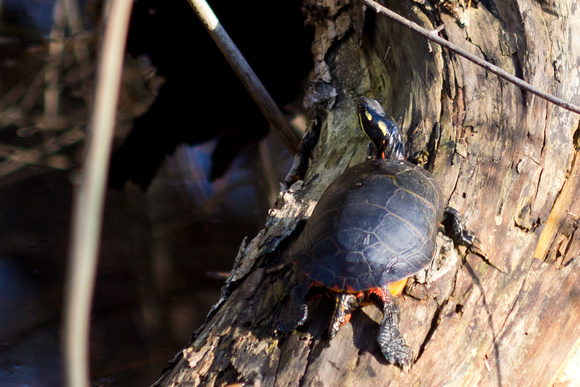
379	292
337	289
346	319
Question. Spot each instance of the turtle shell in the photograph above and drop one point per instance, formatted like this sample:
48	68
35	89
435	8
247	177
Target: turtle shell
374	225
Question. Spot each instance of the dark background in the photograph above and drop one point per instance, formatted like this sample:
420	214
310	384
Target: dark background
194	172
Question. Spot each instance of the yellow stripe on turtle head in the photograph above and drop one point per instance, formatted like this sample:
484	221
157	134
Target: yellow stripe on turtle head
383	127
369	116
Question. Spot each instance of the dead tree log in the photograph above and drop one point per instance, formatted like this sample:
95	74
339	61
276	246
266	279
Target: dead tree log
504	158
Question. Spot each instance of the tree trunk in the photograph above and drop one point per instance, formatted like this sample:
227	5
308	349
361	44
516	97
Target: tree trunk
503	157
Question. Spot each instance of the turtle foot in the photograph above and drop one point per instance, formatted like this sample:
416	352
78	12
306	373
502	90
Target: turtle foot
389	337
291	321
455	229
345	304
296	313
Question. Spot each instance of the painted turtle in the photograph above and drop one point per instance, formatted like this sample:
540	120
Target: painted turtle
372	228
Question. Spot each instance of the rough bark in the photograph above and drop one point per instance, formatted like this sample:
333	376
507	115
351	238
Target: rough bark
504	158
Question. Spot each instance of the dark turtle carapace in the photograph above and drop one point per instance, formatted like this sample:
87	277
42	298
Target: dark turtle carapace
373	227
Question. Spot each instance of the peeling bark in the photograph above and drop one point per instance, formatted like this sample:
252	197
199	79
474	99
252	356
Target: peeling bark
504	158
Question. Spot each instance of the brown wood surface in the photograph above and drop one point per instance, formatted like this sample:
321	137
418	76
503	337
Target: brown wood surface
504	158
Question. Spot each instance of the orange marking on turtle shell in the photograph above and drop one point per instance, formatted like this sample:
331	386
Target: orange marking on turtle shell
350	289
346	319
397	288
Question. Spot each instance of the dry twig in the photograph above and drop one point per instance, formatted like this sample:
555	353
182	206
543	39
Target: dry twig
432	35
243	70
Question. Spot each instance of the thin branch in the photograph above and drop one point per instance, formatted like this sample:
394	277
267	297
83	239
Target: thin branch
432	35
89	199
80	47
243	70
53	66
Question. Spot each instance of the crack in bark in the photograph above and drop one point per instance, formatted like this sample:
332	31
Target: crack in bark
453	191
519	72
542	150
308	360
480	50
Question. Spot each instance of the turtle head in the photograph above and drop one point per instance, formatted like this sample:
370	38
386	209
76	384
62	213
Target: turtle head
380	129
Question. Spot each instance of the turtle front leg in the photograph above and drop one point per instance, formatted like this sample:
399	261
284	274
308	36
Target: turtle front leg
297	311
346	303
455	229
389	338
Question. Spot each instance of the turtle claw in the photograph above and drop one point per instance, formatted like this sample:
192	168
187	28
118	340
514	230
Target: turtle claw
393	346
473	243
468	238
398	353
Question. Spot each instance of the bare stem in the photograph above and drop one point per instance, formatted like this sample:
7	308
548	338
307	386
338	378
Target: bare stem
467	55
89	199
